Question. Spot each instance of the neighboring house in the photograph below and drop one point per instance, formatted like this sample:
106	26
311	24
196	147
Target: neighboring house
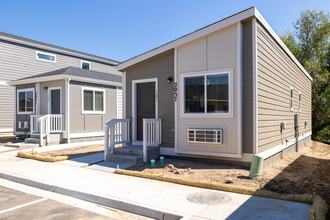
66	105
219	92
21	57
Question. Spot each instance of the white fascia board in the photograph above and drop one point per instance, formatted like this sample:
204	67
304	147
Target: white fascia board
190	37
59	77
280	42
58	50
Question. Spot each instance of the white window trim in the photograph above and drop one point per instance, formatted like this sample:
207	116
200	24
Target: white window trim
299	101
49	54
134	104
84	61
230	114
291	99
49	98
17	101
82	100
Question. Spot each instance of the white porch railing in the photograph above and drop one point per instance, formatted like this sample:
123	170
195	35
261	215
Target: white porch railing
116	132
46	124
152	134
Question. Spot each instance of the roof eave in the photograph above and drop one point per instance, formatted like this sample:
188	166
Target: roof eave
63	77
187	38
58	50
252	12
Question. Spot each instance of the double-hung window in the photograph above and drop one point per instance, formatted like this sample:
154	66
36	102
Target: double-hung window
25	101
93	101
45	56
291	98
207	94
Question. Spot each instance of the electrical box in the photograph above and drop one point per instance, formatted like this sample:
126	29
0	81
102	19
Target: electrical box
296	120
283	125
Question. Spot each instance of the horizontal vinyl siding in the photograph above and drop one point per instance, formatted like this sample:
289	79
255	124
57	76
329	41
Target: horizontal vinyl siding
7	100
247	88
161	67
18	61
276	73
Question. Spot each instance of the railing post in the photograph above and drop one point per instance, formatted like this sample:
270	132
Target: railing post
31	124
145	134
41	127
106	142
47	128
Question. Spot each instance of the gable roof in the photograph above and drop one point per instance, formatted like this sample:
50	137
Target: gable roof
53	48
250	12
72	73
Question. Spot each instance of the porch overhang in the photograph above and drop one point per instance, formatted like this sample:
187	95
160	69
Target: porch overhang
62	77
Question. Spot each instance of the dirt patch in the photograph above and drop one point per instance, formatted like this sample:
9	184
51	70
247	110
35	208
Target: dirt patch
75	152
8	140
299	172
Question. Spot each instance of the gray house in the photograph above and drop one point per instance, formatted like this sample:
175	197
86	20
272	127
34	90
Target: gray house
220	92
66	105
21	57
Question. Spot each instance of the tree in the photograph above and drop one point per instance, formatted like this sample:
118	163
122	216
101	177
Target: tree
310	43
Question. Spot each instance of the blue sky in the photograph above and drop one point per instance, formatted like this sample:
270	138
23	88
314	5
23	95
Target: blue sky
125	28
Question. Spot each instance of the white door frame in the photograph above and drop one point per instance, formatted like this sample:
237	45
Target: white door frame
49	98
134	105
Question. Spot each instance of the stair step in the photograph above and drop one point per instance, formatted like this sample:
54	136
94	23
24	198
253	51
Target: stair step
124	158
32	140
131	150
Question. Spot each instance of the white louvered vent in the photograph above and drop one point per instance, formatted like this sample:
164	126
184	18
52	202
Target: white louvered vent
204	135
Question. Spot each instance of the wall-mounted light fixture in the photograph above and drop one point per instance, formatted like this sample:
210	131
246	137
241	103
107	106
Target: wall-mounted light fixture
169	80
45	88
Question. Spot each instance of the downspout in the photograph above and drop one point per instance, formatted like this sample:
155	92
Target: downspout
67	112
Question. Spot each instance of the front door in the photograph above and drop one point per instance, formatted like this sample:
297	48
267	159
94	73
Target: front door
145	105
55	101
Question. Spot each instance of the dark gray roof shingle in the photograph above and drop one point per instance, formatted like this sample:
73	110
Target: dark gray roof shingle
74	71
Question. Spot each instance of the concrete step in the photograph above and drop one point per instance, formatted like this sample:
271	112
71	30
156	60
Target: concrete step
131	149
124	158
32	140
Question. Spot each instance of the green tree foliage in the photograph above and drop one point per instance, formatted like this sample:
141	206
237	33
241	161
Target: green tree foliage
310	43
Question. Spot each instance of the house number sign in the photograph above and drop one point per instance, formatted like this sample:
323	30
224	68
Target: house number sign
175	91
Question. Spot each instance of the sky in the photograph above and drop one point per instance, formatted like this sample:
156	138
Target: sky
122	29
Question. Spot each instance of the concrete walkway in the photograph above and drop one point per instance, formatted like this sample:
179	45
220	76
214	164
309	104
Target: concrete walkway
151	198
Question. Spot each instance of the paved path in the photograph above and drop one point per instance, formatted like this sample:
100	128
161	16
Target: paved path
154	198
23	202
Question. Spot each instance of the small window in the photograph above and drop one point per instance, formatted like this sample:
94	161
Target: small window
299	101
46	56
207	94
25	101
291	98
85	65
93	101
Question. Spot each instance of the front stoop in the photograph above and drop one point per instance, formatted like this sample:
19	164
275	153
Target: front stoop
54	139
132	154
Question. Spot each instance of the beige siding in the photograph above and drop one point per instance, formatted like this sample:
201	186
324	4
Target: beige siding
247	88
80	122
18	61
276	73
161	67
214	51
44	95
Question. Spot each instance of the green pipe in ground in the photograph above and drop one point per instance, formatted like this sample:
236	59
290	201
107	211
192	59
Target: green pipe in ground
256	166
